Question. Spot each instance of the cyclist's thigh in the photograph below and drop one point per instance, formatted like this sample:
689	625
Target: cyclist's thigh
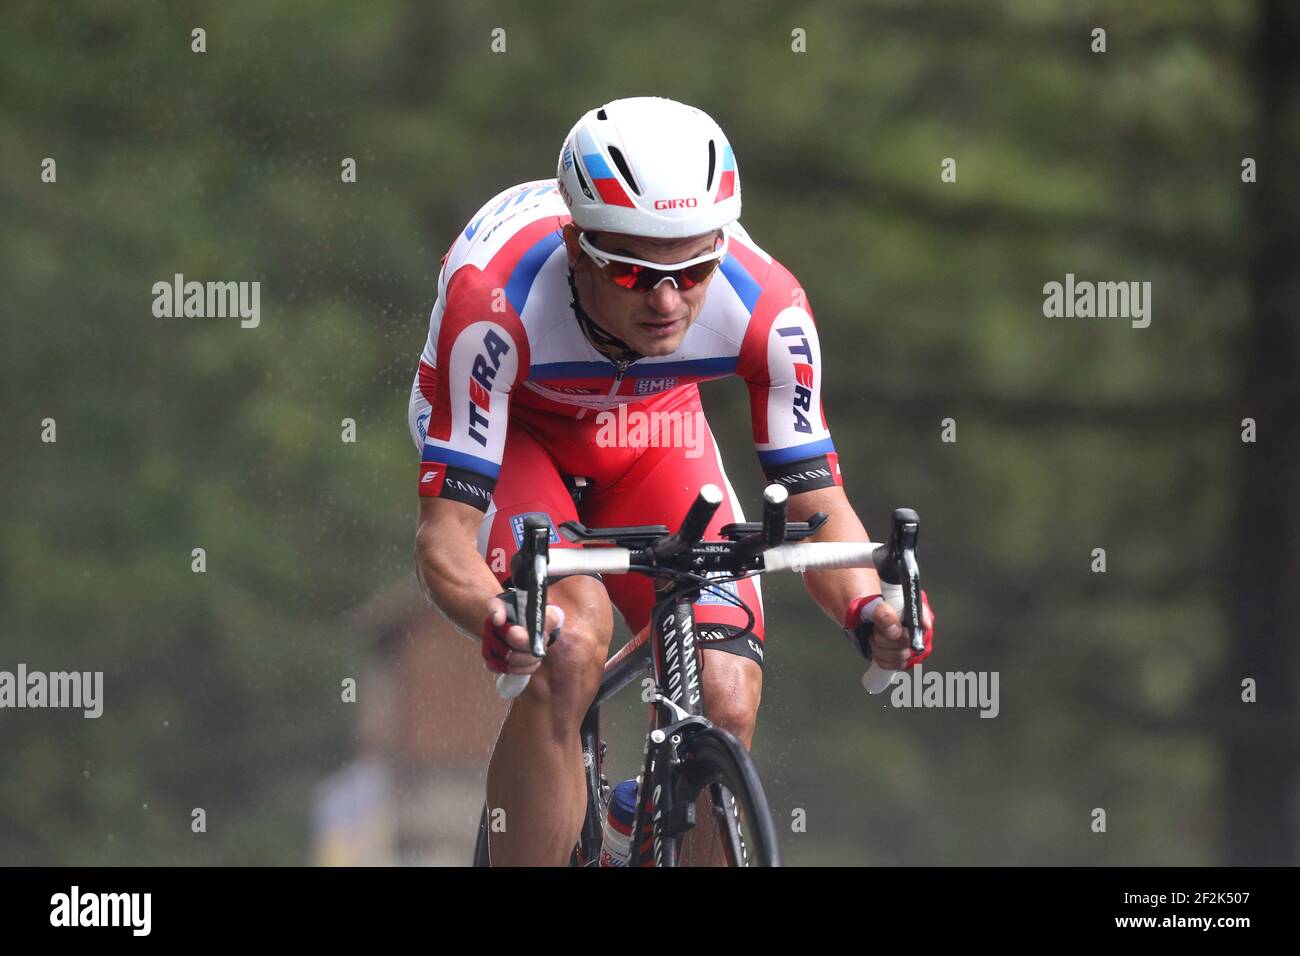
658	489
529	484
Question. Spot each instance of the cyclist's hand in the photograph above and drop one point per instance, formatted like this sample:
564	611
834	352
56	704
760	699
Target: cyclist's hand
887	643
505	646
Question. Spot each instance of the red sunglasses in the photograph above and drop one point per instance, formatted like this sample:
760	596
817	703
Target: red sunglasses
641	275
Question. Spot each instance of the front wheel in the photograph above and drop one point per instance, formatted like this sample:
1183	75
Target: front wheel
481	855
733	826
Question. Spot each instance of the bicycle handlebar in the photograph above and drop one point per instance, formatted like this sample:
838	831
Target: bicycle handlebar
895	562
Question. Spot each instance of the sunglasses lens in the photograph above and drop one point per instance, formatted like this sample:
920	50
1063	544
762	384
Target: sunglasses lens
624	274
692	276
638	278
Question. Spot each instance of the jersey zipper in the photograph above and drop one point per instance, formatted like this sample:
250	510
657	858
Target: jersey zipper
618	379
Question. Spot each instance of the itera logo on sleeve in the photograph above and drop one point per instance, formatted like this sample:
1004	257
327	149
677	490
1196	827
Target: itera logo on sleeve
517	526
797	342
482	375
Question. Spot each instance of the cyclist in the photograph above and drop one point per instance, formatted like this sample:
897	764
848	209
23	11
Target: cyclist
574	318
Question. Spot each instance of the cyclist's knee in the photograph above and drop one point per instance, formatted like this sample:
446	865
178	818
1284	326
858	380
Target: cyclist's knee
739	717
568	680
732	688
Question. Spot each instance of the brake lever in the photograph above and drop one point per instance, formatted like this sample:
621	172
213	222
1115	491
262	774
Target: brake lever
898	568
528	572
529	578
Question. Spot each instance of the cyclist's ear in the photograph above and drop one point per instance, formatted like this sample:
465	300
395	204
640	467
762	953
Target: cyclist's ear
571	233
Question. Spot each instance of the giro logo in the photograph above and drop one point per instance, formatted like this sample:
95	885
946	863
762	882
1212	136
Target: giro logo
690	203
803	375
480	385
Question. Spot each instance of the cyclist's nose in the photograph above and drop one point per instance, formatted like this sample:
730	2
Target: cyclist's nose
664	297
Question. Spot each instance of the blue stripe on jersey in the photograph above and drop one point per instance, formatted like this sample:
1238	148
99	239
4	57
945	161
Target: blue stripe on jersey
781	456
742	282
526	269
458	459
723	365
550	370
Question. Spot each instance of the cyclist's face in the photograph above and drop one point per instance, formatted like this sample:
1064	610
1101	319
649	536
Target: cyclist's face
654	322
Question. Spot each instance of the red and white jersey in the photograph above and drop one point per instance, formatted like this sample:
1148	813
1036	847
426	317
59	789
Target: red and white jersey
504	344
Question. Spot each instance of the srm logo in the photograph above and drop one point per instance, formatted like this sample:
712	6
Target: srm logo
480	384
690	203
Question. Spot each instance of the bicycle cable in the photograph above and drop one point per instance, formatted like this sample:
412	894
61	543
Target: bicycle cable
714	585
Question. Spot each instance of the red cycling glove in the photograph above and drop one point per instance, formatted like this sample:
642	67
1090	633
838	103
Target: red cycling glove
494	646
858	626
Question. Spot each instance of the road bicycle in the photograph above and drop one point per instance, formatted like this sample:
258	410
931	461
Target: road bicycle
695	776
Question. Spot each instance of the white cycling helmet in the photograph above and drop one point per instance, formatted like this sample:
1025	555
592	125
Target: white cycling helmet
649	166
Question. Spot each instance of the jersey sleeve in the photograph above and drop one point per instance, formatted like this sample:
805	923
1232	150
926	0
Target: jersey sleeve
781	363
477	352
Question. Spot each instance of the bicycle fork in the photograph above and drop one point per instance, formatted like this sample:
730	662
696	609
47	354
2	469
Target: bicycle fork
678	704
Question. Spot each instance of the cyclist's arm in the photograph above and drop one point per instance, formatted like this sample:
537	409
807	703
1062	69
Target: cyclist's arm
781	362
481	354
834	590
452	572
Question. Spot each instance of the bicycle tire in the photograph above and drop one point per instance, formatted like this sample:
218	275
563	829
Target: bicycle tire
716	763
481	855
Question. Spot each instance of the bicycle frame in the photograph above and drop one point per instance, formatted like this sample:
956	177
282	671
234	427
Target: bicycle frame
669	649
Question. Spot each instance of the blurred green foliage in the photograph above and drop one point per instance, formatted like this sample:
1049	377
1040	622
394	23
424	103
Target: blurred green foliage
175	433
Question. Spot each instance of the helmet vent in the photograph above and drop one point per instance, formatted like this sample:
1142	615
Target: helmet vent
713	161
600	114
582	181
617	155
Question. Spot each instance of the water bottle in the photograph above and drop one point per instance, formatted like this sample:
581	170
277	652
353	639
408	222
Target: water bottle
616	845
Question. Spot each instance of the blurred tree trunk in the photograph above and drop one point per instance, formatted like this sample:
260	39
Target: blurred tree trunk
1263	752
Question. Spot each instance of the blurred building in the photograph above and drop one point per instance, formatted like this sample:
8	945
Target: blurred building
412	794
